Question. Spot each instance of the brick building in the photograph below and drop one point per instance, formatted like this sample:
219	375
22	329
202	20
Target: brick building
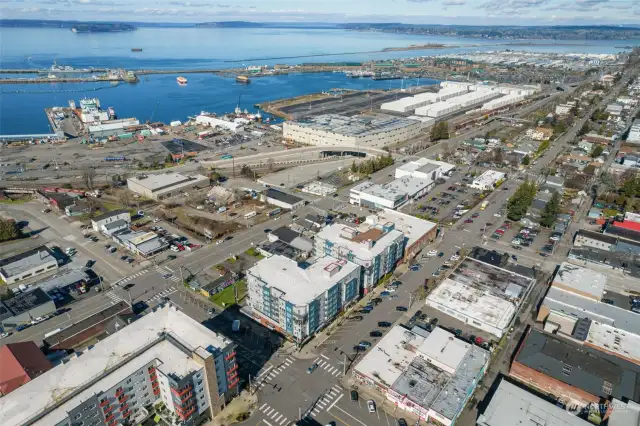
574	374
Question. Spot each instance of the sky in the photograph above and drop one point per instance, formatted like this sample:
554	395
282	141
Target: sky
462	12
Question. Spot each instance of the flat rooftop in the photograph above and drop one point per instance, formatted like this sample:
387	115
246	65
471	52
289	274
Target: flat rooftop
338	235
62	387
428	386
64	279
282	196
166	181
412	227
391	356
488	177
397	189
511	405
493	280
299	285
579	366
584	307
25	261
443	347
24	302
583	280
357	126
112	213
455	298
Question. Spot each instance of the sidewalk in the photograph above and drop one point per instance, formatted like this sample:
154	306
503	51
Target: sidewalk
244	404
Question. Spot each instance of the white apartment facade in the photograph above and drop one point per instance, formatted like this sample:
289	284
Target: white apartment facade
488	180
298	301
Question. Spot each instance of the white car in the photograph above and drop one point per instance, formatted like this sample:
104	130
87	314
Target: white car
174	248
432	253
390	289
554	238
38	320
454	257
371	405
497	215
156	220
3	335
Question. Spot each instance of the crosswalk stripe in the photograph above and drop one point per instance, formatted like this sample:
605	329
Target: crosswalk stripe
273	416
326	366
332	392
315	360
321	363
283	421
279	417
336	387
290	359
337	373
270	411
263	405
322	404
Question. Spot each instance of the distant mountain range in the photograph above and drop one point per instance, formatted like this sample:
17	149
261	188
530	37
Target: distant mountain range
563	32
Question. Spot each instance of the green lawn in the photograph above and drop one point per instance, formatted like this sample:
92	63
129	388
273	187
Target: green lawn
226	297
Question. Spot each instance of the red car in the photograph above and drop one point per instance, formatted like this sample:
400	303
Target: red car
500	231
468	221
475	215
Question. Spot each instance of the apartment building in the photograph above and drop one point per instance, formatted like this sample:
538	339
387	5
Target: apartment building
164	357
377	248
299	299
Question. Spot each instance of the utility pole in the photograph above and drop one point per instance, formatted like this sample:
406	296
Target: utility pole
344	366
299	414
181	275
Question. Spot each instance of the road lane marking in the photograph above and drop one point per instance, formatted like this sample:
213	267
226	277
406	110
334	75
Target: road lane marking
269	424
284	421
324	356
322	403
332	392
363	424
335	402
263	406
337	387
279	417
316	360
275	413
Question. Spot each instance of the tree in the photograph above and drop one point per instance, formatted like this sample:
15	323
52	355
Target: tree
124	198
440	131
247	172
270	163
584	129
9	230
520	201
498	158
354	167
551	210
526	160
597	151
88	175
169	159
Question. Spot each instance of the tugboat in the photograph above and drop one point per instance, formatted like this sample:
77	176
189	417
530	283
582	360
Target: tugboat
181	80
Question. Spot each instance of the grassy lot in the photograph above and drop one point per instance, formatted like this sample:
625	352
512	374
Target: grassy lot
226	297
255	253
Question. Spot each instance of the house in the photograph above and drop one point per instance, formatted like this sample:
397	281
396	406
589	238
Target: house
539	134
77	209
112	222
281	199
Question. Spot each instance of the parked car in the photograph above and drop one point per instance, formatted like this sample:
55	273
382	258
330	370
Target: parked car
384	324
401	309
354	395
312	368
375	333
402	422
364	344
371	406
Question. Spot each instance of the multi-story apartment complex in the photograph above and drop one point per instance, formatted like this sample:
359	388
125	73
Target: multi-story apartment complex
164	362
377	248
299	299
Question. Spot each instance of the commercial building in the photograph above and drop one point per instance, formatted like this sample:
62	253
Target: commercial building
418	232
165	185
376	248
539	134
337	130
432	375
281	199
232	126
425	168
634	132
390	195
300	299
164	357
482	295
512	405
488	180
112	222
21	362
115	128
573	309
576	375
596	240
28	264
142	243
25	307
410	103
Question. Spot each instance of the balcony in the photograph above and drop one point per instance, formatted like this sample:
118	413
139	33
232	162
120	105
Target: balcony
126	407
104	402
153	376
186	415
232	369
181	391
230	355
234	382
107	409
109	418
123	398
127	413
119	392
183	398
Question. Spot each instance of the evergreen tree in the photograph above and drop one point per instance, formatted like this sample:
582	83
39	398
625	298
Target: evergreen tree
550	211
597	151
9	230
526	160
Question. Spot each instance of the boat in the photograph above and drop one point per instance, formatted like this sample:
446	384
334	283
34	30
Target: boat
243	79
51	76
112	113
181	80
136	49
386	76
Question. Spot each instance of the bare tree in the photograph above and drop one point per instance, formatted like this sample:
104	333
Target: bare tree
270	164
125	200
88	176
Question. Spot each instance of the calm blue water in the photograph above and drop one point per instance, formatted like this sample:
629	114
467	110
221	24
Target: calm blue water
178	48
23	112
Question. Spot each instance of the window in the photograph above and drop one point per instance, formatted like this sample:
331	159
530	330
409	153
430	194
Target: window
607	387
77	416
92	406
128	381
146	394
566	370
